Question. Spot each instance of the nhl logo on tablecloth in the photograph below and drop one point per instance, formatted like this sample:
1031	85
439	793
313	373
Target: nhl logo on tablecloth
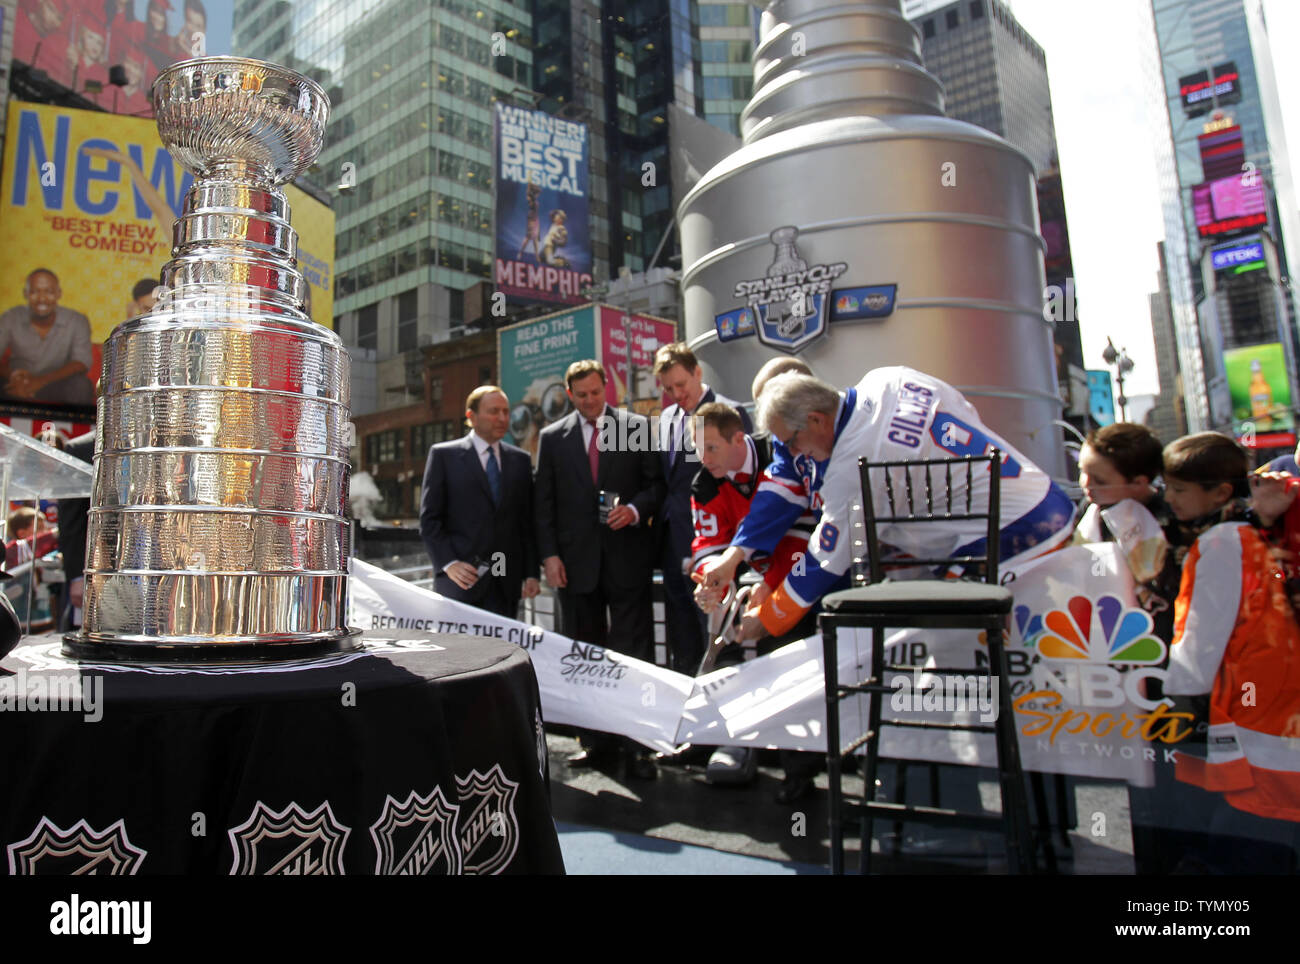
417	836
489	832
288	841
78	850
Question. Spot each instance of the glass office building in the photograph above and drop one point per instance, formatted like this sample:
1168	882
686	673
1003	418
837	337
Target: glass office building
1212	77
407	156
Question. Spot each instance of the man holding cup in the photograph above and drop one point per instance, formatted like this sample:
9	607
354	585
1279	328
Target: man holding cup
599	483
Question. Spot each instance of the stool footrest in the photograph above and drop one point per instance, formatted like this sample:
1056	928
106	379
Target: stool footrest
939	670
933	816
863	740
959	727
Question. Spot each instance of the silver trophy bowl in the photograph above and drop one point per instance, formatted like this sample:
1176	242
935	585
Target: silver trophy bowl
217	527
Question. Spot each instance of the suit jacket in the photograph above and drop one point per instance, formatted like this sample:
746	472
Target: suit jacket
73	513
568	523
459	520
678	527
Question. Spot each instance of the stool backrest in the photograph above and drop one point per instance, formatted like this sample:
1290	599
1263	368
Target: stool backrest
933	501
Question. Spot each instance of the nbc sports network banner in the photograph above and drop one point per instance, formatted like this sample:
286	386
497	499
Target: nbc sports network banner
543	243
1081	657
88	202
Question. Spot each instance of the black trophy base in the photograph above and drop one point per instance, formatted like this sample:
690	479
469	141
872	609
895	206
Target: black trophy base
77	646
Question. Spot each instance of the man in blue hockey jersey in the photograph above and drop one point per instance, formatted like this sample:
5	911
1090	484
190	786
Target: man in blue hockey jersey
893	414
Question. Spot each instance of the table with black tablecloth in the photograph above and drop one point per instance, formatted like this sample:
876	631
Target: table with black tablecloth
420	753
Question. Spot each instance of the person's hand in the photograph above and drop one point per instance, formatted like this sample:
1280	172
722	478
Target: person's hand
719	573
77	591
531	587
706	599
554	569
462	574
620	516
758	595
1270	496
22	384
751	627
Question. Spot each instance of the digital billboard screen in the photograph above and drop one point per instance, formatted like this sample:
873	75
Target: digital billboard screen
1230	205
75	43
541	169
1200	96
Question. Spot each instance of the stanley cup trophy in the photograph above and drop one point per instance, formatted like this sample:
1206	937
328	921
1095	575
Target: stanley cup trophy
216	527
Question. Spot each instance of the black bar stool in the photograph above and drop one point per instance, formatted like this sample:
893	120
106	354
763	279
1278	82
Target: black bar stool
940	603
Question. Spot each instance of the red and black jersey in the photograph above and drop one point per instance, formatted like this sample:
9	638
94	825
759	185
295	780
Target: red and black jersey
719	505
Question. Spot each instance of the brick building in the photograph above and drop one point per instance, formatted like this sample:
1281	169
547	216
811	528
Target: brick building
392	445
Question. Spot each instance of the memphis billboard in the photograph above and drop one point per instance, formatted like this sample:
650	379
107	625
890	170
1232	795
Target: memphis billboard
87	205
543	238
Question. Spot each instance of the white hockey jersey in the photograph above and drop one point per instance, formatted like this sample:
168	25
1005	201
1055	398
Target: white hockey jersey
900	414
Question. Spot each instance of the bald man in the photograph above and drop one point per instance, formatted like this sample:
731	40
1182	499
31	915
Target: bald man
49	347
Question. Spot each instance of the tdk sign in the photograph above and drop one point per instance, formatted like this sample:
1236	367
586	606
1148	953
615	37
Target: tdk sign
1237	255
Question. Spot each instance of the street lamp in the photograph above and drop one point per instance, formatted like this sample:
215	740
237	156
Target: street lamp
1123	365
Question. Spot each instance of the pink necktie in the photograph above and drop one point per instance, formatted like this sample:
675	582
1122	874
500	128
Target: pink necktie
593	456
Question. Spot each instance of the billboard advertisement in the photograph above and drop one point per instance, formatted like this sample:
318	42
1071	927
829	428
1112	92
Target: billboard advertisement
1244	255
1261	395
1229	205
75	43
543	242
533	355
1101	399
87	205
1200	95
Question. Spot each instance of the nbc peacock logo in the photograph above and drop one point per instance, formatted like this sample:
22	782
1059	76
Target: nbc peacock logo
1104	631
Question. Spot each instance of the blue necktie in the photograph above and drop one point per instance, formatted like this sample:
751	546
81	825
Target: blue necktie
494	476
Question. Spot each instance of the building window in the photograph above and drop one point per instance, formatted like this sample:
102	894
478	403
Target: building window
952	19
368	327
408	321
976	9
435	390
927	28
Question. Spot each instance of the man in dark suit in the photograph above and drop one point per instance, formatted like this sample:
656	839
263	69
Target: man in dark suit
679	373
73	515
476	511
602	572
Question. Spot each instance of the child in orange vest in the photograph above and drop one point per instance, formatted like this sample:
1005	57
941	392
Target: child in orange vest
1235	664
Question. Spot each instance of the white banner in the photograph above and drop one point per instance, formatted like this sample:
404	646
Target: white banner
1080	655
580	684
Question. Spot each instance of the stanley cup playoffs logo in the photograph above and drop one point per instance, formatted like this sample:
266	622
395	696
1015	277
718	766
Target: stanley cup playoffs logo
790	303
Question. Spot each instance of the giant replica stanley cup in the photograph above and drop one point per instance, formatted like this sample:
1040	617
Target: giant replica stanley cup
859	227
221	459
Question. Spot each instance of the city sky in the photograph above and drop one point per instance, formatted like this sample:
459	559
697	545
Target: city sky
1107	167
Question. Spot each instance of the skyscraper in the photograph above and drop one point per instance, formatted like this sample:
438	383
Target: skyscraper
407	155
995	76
621	65
1225	190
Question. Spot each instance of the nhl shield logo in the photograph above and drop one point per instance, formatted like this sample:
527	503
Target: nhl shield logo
76	851
417	836
288	842
489	832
